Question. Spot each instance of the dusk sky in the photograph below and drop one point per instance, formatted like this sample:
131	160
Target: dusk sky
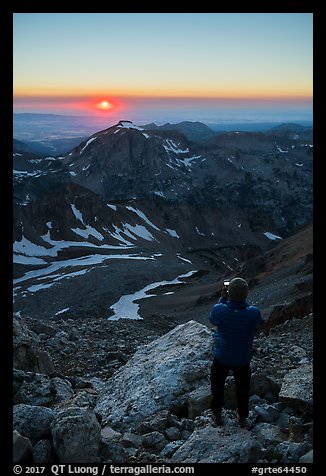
210	67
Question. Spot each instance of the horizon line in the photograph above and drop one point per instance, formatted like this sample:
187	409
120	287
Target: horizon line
221	121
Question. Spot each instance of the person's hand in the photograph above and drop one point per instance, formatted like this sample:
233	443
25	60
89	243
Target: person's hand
224	293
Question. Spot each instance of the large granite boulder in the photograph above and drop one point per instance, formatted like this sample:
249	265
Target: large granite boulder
159	376
76	436
297	388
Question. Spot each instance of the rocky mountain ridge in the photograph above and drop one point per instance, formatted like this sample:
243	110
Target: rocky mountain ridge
133	206
155	406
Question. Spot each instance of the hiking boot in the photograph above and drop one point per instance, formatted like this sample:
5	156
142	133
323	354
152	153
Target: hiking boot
217	418
243	421
248	424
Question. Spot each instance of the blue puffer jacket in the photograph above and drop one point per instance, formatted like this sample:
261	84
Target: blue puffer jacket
236	326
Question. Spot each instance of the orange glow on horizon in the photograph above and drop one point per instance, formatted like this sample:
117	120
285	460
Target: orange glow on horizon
110	106
115	106
74	104
236	97
249	93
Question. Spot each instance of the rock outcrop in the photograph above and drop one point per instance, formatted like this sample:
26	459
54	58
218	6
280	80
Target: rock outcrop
155	408
76	436
297	388
160	375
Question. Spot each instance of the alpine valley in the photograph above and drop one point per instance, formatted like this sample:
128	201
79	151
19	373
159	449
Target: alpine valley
162	211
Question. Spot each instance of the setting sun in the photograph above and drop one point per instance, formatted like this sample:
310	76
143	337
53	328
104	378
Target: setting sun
104	105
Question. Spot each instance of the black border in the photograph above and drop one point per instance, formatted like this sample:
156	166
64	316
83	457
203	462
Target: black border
60	6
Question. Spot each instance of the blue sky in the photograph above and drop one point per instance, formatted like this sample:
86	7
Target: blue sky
179	65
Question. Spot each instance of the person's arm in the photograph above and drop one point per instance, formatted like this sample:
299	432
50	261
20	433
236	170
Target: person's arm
213	317
224	295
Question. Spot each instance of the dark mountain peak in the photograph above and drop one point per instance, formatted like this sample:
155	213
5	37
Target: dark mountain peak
151	126
19	146
125	161
124	122
288	126
194	125
292	131
240	139
193	131
128	125
105	136
179	125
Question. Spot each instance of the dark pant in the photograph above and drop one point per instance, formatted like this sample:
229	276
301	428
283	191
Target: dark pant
242	376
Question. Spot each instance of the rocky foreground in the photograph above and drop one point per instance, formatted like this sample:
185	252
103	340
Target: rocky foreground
94	391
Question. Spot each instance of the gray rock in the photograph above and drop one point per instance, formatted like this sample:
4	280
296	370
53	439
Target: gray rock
283	421
157	376
185	434
309	436
172	433
267	434
297	353
113	451
97	383
173	420
199	401
154	440
19	377
217	445
22	447
157	422
22	337
43	452
44	362
194	371
37	390
307	458
132	440
62	389
26	352
108	433
290	452
171	448
255	400
33	421
297	388
41	327
296	429
187	424
262	384
76	436
267	413
83	398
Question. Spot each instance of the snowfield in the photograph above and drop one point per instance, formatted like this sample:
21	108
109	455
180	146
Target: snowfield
127	308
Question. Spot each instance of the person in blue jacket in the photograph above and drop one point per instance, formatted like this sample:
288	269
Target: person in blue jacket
236	323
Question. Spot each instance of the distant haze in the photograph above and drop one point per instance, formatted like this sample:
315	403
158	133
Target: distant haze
142	110
52	127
